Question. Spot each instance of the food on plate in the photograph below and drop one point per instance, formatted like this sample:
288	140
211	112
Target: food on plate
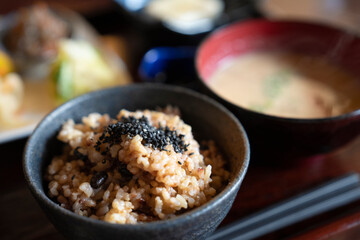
11	96
142	166
184	10
11	92
58	55
6	64
184	14
80	68
287	85
36	32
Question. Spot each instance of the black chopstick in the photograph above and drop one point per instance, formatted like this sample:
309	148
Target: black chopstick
333	194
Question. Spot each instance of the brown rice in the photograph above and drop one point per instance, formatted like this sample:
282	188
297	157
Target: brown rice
128	181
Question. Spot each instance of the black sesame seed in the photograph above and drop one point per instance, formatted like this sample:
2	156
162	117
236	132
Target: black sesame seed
157	138
98	179
79	155
191	153
125	173
73	176
179	163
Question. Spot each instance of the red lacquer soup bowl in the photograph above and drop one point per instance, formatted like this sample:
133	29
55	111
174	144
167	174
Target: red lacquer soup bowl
282	138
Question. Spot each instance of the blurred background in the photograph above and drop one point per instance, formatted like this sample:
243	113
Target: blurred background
48	48
130	29
135	34
153	41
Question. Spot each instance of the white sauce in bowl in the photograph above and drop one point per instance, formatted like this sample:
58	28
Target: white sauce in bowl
186	15
287	85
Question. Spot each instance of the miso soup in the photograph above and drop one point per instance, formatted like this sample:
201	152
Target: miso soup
287	85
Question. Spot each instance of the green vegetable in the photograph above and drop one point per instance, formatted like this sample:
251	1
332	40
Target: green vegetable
275	83
261	107
80	68
272	88
64	83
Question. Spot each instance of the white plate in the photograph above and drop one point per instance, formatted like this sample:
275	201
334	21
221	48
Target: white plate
17	133
37	102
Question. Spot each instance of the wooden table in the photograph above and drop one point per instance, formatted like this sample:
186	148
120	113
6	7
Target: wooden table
21	217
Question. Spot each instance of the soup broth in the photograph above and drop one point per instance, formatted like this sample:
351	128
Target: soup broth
287	85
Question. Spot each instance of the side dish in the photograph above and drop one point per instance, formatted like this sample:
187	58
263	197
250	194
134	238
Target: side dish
11	92
143	166
53	55
36	32
11	97
287	85
186	15
80	68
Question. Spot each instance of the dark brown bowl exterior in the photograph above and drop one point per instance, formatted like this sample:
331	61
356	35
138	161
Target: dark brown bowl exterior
208	119
279	138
